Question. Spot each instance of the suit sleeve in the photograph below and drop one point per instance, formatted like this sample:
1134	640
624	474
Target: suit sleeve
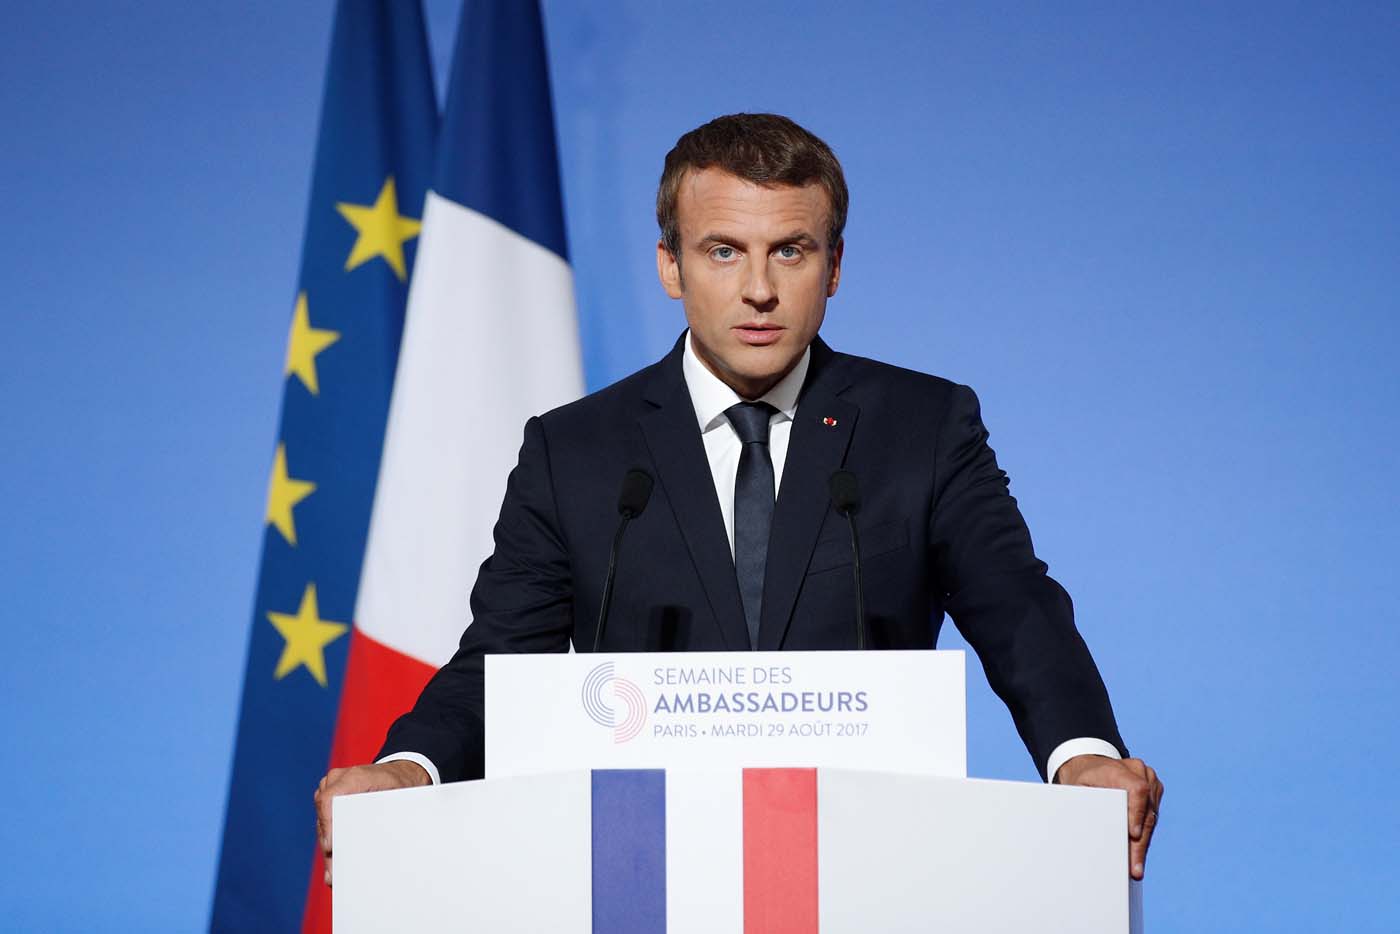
522	602
1016	617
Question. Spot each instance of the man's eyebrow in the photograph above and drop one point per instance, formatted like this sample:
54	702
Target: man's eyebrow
796	236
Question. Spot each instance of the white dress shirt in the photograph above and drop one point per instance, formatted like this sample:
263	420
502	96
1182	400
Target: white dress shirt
711	396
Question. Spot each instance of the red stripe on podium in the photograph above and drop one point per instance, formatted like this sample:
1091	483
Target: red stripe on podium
380	684
780	851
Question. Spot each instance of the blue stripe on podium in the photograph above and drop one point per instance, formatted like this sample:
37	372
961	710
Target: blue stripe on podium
629	851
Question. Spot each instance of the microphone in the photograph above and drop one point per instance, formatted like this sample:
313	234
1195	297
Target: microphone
631	502
845	497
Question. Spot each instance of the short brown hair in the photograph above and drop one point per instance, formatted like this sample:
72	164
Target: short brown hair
766	149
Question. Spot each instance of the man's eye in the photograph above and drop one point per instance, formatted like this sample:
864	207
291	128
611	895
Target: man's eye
723	253
789	252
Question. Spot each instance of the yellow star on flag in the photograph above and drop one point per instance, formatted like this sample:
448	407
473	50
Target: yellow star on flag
307	636
382	230
304	344
284	492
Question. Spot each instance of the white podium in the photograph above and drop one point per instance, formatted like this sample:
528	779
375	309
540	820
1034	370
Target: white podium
759	846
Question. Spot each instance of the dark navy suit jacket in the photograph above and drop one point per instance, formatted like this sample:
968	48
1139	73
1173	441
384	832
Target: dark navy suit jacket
939	531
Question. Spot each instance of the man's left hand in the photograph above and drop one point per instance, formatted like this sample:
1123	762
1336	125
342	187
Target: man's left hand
1144	790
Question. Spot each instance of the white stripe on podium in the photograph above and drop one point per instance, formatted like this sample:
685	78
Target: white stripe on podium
704	852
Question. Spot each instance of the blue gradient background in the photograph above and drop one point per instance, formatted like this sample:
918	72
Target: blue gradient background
1162	244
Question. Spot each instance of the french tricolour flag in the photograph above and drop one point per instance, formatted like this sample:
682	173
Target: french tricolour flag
490	338
766	826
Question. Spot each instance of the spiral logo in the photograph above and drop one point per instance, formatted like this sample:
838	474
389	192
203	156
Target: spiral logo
600	689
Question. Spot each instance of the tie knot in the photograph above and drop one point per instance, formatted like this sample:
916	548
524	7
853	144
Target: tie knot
750	420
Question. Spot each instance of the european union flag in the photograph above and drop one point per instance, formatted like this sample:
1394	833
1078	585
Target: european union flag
374	157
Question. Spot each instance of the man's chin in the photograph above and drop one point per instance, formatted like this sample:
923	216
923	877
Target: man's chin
760	376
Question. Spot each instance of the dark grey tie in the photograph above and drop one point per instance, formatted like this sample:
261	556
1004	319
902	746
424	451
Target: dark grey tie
753	506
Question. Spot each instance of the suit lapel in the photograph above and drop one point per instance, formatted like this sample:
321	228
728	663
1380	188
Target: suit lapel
817	446
684	473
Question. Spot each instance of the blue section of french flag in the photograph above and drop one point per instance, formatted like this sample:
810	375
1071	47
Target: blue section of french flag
498	155
629	851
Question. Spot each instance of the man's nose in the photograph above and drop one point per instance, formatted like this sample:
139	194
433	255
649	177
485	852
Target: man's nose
758	287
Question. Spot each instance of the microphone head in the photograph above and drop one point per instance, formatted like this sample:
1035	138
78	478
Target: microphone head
845	492
632	499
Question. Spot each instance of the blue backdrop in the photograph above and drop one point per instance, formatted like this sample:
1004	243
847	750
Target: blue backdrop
1162	244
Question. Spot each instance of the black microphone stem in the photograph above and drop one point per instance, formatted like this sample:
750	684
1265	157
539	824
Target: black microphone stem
845	497
860	588
631	502
608	583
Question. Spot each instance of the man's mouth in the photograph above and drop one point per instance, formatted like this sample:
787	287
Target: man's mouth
758	334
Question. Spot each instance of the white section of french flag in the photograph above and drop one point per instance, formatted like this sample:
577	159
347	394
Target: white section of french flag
491	338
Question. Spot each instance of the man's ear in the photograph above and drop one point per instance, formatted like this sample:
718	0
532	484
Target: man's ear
668	270
833	279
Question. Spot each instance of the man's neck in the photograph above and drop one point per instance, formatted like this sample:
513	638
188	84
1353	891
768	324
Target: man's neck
749	391
712	395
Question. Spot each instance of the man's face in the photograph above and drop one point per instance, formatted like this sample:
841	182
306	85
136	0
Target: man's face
754	274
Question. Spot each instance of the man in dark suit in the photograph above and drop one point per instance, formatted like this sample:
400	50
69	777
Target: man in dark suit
741	425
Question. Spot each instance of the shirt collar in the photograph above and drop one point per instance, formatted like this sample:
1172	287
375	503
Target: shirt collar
711	396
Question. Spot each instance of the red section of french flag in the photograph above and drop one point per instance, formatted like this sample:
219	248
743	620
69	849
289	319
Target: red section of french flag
780	851
380	684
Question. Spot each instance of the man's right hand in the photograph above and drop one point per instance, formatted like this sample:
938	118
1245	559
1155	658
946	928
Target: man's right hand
352	781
